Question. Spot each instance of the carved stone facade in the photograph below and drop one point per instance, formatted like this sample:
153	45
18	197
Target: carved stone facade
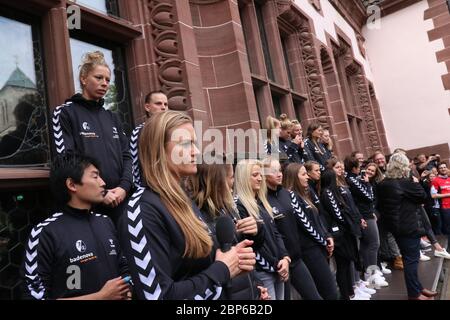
168	58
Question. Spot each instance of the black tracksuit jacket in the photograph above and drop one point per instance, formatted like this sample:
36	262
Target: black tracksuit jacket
71	240
362	194
134	150
319	154
273	249
300	228
244	286
154	245
86	127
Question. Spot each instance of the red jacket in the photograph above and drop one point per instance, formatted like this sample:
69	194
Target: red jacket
442	185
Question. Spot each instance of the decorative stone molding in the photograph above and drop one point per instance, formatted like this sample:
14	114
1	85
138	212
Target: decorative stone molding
168	59
361	47
367	112
327	64
313	75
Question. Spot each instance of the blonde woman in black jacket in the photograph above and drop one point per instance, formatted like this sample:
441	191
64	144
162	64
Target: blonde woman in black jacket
272	260
170	250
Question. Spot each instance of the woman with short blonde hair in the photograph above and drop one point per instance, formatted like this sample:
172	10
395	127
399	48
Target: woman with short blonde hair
400	205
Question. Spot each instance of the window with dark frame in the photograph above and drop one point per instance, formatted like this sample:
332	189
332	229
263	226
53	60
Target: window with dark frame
264	42
286	61
109	7
276	105
117	97
23	107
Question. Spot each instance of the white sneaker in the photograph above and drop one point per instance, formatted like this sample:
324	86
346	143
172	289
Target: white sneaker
358	297
380	274
385	269
424	257
360	293
442	254
377	281
362	287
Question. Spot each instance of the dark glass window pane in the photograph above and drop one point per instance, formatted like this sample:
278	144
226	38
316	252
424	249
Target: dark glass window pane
297	107
276	105
116	99
265	44
23	118
286	61
18	213
256	92
103	6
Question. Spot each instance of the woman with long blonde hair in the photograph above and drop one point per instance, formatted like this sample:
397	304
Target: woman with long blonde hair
168	246
272	259
211	191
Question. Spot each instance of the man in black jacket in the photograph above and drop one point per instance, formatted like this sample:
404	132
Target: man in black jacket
75	253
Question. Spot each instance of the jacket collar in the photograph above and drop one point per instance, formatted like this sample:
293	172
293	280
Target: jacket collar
91	104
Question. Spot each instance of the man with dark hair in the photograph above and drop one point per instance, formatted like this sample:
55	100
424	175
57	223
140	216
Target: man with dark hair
75	253
440	190
155	101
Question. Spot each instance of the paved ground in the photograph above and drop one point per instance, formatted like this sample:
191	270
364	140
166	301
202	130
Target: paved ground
429	272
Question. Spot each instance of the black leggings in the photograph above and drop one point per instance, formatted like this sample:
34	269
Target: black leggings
316	260
344	276
303	282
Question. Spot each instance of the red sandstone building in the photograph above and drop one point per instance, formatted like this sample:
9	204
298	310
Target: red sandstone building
228	63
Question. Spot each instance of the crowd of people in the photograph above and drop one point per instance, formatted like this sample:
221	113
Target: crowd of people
133	222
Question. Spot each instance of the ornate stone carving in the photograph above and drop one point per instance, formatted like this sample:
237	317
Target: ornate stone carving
368	116
313	77
361	41
327	64
168	59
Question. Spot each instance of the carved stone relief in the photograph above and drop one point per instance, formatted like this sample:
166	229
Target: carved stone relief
168	59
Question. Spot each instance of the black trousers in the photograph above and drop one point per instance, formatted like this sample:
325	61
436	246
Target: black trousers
316	260
302	280
344	276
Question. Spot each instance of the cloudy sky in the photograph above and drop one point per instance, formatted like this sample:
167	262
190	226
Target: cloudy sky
16	42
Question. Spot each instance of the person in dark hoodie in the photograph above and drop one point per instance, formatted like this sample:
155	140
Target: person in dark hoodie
211	190
306	239
75	254
273	260
82	124
169	247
